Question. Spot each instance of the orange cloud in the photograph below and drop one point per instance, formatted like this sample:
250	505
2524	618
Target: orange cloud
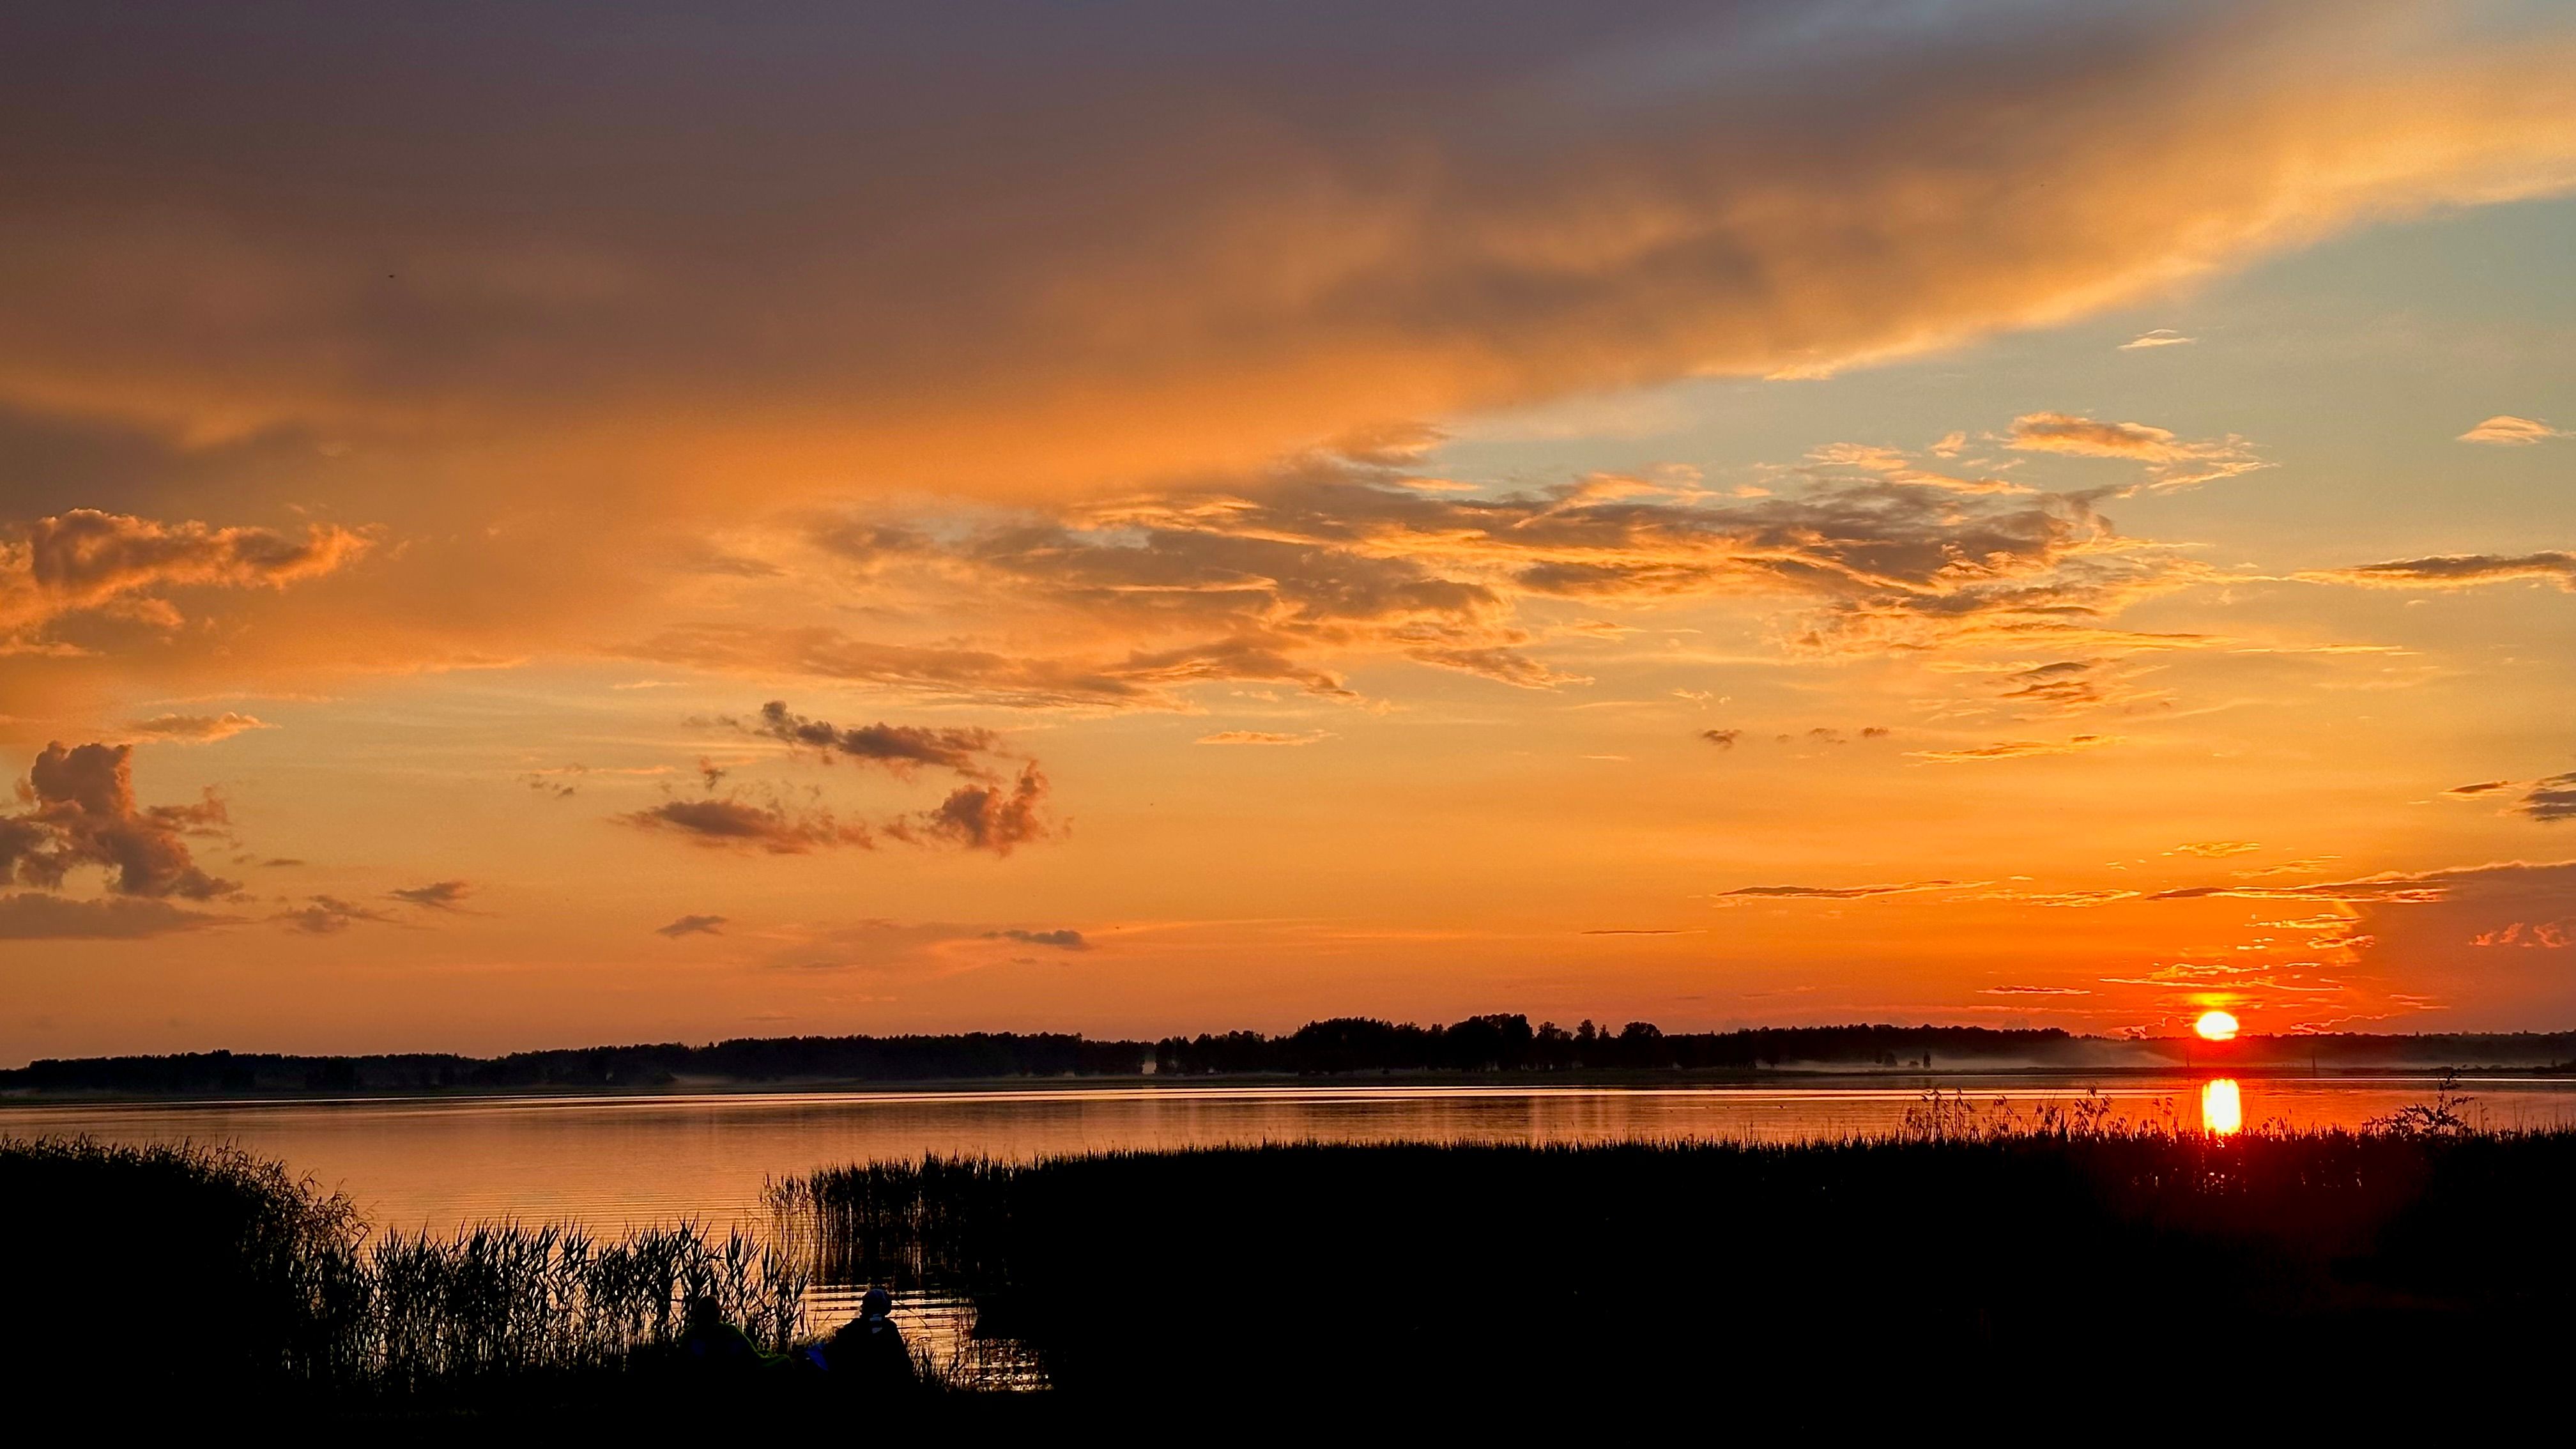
82	812
84	560
2511	431
1151	266
2173	462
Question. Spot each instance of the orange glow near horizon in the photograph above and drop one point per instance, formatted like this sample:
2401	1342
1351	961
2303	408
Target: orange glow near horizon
2216	1026
2222	1107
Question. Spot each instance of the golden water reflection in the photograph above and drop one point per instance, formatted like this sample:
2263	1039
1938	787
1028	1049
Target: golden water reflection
2222	1107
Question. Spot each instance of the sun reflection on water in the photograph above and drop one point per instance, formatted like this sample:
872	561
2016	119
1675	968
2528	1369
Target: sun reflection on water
2222	1108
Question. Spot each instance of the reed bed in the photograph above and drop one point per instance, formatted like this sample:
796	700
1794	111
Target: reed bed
1978	1236
198	1267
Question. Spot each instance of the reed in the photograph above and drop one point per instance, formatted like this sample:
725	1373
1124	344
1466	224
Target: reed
1979	1236
198	1267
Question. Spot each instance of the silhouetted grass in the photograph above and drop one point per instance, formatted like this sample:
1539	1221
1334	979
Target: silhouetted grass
177	1270
1913	1265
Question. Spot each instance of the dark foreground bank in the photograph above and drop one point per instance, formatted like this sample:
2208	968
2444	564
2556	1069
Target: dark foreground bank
1927	1282
1956	1281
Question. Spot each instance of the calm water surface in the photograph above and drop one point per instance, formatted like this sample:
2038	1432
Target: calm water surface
620	1162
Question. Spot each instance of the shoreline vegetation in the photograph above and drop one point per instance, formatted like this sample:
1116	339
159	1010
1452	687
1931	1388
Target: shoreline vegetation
1494	1049
2061	1238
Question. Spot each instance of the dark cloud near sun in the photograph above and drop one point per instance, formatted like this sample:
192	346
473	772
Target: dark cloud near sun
2549	799
694	926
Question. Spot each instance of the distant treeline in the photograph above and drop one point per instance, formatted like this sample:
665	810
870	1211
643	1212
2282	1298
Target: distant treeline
751	1059
1494	1043
1511	1044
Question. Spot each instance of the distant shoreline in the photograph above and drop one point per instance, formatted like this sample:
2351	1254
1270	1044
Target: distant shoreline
1945	1077
1496	1049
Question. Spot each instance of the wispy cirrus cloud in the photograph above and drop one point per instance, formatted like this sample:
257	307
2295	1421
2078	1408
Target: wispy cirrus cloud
197	728
2013	750
1839	893
2171	460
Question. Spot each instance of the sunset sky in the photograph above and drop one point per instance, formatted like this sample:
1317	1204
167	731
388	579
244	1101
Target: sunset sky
530	526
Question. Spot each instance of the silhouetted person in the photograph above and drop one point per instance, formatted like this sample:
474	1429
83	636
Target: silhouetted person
714	1344
869	1350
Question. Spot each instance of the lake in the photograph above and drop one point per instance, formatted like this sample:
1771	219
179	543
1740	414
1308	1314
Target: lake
616	1162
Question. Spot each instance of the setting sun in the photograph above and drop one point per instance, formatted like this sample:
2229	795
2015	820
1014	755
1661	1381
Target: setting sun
2216	1026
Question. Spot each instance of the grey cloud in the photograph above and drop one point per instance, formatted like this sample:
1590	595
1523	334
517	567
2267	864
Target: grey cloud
899	748
329	915
773	826
2549	799
694	926
445	895
1061	939
1840	893
2454	571
996	817
33	916
2552	799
